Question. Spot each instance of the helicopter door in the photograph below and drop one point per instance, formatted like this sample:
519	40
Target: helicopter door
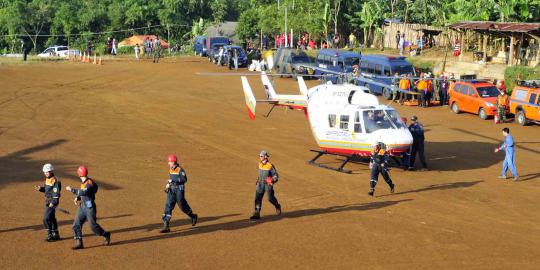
357	123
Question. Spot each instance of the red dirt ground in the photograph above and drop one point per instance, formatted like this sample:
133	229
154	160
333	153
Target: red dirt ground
123	119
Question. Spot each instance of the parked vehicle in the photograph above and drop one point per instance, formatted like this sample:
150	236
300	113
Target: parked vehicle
477	97
293	61
525	102
199	45
331	61
242	57
376	71
58	51
210	41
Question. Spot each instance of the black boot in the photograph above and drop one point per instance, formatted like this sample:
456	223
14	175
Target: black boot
165	228
194	218
371	192
256	215
107	236
392	186
55	236
49	237
278	210
78	244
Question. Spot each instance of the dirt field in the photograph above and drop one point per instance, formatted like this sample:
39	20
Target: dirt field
123	119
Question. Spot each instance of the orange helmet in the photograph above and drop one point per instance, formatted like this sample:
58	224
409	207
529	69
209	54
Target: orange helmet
82	171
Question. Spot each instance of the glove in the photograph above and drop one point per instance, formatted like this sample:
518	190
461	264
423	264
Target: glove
497	150
269	180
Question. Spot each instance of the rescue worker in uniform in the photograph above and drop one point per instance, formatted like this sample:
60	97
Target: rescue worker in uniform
52	189
175	189
510	158
87	211
502	101
379	164
266	180
417	131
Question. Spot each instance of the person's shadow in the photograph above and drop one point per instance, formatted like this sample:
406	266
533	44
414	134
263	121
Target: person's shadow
39	227
442	186
246	223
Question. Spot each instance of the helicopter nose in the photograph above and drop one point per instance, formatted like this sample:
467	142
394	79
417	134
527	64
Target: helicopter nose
395	140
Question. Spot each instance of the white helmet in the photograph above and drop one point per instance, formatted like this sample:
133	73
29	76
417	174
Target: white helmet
48	167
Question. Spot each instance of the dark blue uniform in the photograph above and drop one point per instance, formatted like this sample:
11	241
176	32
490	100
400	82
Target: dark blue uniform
176	195
52	190
87	210
417	131
379	164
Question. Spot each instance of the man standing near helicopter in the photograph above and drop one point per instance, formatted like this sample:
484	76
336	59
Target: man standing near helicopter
379	164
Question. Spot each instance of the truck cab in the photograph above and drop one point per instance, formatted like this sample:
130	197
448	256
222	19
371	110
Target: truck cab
199	45
525	102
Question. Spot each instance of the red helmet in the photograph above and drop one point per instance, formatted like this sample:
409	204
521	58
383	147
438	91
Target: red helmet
82	171
172	158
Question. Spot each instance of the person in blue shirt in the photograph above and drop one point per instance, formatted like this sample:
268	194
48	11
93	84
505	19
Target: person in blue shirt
510	157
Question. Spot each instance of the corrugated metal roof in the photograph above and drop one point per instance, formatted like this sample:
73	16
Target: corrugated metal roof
497	26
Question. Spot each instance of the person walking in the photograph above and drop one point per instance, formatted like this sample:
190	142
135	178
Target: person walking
175	189
443	90
502	104
114	50
52	189
137	50
266	180
379	165
395	87
87	211
422	85
401	44
157	50
510	157
417	132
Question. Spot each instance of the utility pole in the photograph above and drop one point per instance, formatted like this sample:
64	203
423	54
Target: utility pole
286	34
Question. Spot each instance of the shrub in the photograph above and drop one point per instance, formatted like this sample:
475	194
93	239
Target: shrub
511	74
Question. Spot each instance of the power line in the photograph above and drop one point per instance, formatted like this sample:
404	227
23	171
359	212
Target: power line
94	33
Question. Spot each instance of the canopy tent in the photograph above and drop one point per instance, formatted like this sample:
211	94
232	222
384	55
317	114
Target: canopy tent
139	39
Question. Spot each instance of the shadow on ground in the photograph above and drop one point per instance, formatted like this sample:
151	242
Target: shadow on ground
246	223
39	227
18	167
444	186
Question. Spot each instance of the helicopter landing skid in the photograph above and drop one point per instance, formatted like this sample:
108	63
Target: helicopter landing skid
322	153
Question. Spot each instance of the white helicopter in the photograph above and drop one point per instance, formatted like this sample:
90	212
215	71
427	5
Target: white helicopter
346	120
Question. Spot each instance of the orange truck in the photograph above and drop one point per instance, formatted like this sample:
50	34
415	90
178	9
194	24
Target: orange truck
525	102
476	96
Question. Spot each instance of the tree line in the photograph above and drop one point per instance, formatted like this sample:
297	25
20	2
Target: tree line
75	22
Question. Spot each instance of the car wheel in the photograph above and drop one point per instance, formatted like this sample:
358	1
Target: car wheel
482	114
455	108
521	119
387	93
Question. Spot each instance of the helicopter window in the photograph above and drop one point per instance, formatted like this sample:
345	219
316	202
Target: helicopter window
344	122
381	119
357	123
332	120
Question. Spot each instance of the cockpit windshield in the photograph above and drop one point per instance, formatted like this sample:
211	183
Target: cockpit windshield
382	119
